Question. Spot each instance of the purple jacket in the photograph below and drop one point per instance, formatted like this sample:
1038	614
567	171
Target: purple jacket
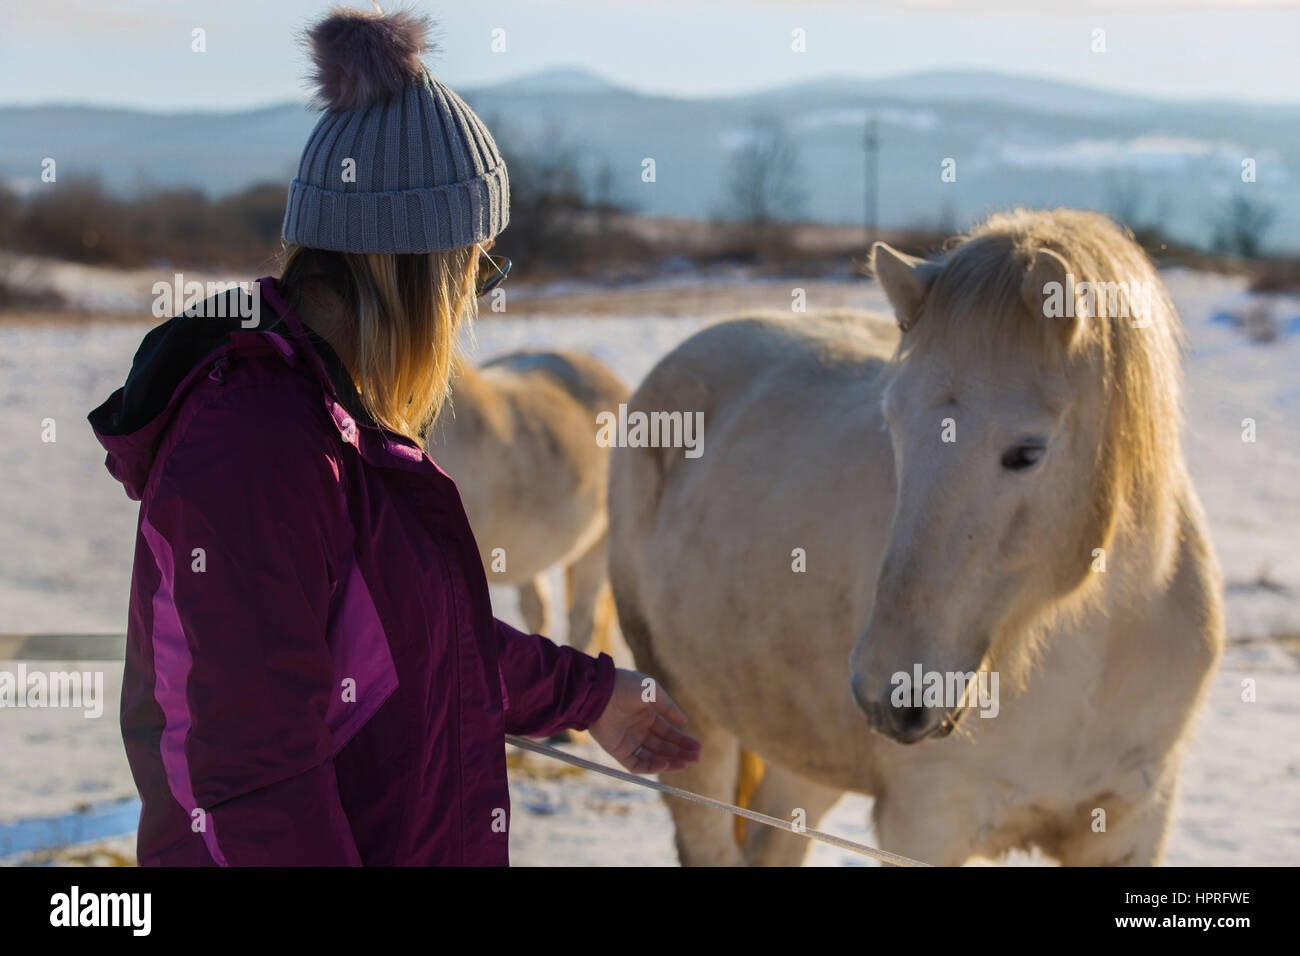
313	671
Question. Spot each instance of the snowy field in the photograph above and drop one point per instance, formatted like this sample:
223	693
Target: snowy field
68	530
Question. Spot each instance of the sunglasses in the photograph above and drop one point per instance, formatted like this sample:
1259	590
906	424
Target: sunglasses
492	271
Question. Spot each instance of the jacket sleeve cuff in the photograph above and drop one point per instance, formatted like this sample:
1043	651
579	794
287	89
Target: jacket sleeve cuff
602	689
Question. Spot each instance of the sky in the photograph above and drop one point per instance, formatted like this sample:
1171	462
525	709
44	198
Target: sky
138	54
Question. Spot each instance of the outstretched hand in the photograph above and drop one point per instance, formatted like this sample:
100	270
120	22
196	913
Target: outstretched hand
636	727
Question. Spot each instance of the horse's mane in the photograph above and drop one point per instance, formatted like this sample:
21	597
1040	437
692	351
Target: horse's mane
974	305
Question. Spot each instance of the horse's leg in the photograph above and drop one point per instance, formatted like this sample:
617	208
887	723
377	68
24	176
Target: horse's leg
917	816
705	836
1136	840
590	600
535	604
590	603
780	794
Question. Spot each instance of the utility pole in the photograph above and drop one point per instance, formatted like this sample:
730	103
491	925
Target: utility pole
871	149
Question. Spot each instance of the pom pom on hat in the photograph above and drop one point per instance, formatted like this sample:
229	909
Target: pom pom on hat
364	59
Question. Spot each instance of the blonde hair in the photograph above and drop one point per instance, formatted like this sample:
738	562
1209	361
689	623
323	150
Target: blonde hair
405	315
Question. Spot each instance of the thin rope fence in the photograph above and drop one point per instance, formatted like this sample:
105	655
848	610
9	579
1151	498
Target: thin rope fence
884	856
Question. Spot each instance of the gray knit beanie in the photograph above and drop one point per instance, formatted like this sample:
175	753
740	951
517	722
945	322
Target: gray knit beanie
398	163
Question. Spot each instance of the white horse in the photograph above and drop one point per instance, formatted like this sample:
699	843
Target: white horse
999	490
520	441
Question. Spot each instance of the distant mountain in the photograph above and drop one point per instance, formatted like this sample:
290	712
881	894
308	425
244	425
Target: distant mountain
1024	92
217	152
960	86
567	80
1014	140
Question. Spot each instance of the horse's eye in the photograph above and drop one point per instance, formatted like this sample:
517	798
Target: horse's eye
1020	457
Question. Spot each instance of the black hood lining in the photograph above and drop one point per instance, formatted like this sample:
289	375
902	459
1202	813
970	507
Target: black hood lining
172	350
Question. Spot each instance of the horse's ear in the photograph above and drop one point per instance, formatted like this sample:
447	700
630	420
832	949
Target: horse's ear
905	280
1049	292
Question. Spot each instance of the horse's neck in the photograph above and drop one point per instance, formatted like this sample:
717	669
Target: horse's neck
476	405
468	388
1148	624
467	375
1152	535
1143	552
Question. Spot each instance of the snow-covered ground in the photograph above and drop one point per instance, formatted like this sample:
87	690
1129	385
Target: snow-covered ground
67	533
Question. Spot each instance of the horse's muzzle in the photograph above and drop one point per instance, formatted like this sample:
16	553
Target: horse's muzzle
906	724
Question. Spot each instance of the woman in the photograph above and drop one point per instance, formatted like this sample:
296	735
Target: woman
313	671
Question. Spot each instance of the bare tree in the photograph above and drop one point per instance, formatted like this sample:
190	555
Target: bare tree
1241	226
1124	198
604	196
947	221
8	215
764	182
546	195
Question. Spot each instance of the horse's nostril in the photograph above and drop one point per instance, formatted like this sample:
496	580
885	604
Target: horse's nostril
908	719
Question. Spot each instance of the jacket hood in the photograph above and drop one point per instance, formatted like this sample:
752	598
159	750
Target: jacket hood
132	423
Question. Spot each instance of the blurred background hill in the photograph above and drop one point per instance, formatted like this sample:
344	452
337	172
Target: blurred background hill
582	141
